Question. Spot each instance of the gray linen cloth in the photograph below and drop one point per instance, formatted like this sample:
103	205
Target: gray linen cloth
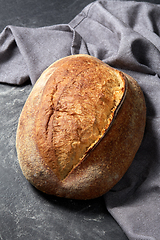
125	35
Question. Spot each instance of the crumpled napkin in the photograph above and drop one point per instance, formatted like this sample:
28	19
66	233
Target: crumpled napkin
125	35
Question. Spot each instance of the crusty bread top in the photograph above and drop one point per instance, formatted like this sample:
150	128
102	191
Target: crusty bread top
76	131
77	106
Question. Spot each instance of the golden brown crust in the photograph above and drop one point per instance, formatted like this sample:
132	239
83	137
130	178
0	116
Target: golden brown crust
64	117
77	105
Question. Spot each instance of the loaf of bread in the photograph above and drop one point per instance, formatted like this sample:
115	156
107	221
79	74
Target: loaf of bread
80	128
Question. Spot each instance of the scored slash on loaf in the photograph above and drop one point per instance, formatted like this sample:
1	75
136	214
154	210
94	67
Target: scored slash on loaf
76	131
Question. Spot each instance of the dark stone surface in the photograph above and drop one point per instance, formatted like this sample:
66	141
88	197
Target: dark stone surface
26	213
39	13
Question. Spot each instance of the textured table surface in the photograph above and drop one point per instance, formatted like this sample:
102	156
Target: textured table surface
25	213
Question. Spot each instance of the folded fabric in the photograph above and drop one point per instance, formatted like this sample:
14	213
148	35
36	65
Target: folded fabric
125	35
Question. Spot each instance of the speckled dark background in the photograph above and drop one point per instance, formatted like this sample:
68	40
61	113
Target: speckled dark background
25	213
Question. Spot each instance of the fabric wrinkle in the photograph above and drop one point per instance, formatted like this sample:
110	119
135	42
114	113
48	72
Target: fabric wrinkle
125	35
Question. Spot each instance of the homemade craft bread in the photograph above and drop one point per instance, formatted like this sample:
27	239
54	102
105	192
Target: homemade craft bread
80	128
